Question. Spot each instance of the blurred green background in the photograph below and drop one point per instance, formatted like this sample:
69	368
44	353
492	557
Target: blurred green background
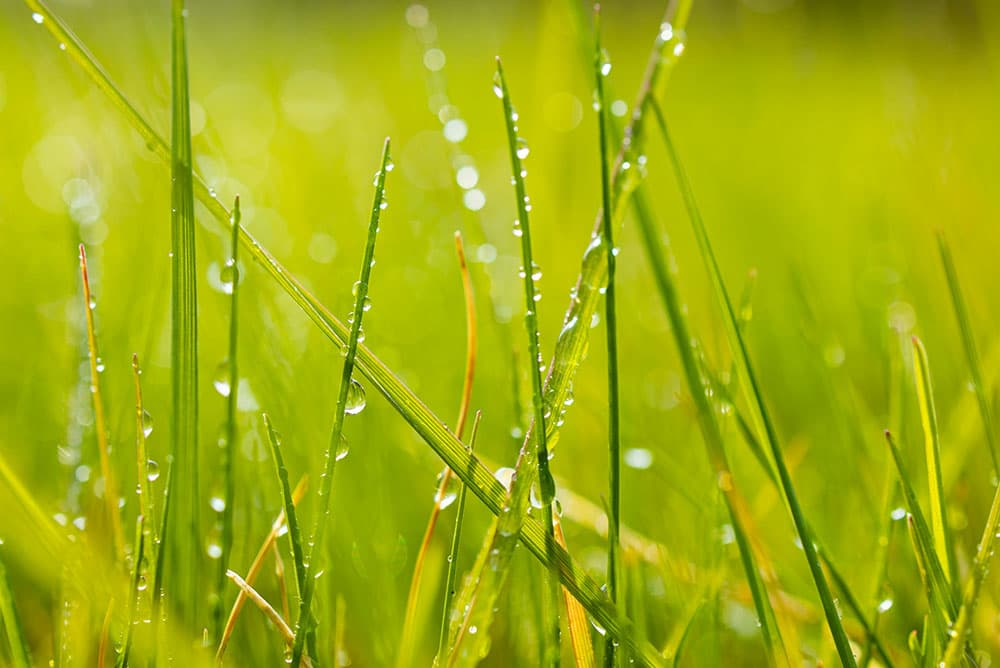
826	142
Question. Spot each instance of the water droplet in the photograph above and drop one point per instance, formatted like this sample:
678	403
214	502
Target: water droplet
214	551
342	449
356	400
522	148
37	18
99	364
221	380
218	504
885	605
80	523
152	470
147	423
497	84
898	513
92	303
605	62
383	205
228	277
141	583
638	458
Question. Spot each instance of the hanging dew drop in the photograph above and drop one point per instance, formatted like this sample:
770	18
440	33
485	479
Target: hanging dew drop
218	503
147	423
497	84
152	470
522	148
221	380
228	277
605	63
356	400
342	449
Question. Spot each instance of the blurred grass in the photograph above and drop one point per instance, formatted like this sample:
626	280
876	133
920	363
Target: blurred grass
827	144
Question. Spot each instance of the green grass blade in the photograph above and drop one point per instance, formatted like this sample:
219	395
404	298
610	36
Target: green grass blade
184	527
145	474
232	279
456	542
158	611
971	351
133	592
346	387
939	587
288	503
751	387
12	623
100	422
932	451
936	624
602	68
529	272
569	353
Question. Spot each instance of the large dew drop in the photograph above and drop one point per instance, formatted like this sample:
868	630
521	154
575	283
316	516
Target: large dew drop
147	423
221	379
356	400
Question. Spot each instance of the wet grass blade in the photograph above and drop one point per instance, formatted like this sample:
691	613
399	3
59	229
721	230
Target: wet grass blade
751	387
288	507
347	386
932	451
145	474
441	496
941	591
971	351
517	148
255	568
231	278
456	541
602	67
935	624
158	612
133	593
12	623
569	353
576	621
184	527
100	423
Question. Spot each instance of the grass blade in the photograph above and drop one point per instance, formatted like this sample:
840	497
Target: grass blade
100	423
134	593
186	541
602	67
567	358
530	273
346	387
935	623
940	589
145	474
932	450
751	387
576	621
12	623
230	278
265	607
288	502
456	541
255	568
102	650
441	498
971	351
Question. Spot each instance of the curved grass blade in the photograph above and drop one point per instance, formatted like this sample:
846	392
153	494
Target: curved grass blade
932	451
971	351
941	591
576	621
12	623
529	274
751	387
186	538
231	277
255	568
602	67
264	606
569	349
346	381
294	534
456	541
441	497
100	423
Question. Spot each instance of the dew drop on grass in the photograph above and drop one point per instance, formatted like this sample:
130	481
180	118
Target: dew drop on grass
885	605
218	503
605	63
214	551
37	18
342	449
522	148
221	380
147	423
228	277
497	84
898	513
356	400
152	470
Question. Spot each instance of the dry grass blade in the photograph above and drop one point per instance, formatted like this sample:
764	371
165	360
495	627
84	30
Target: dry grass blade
576	620
264	606
100	423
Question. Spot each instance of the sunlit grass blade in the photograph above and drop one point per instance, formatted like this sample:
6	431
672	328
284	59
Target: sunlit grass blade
935	623
184	525
288	507
255	567
134	592
576	621
158	611
751	387
971	350
102	650
230	277
602	67
932	451
940	589
347	386
451	582
145	473
569	353
20	656
100	423
442	497
529	274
